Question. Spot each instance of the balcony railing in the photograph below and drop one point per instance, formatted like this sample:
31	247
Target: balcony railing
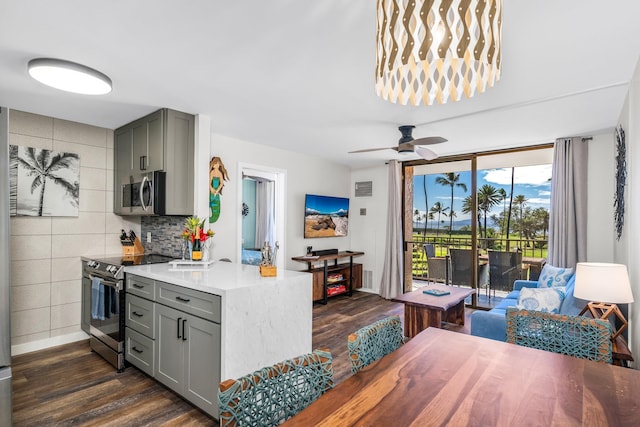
530	248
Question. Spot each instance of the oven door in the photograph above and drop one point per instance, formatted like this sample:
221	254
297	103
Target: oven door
106	309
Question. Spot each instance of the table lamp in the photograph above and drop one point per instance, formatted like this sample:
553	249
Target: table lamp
604	285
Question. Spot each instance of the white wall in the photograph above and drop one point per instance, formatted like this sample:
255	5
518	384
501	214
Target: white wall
627	249
305	174
368	232
601	186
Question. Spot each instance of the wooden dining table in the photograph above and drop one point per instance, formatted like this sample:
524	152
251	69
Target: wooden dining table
447	378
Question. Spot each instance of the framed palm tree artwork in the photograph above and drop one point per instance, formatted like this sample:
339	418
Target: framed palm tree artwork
43	182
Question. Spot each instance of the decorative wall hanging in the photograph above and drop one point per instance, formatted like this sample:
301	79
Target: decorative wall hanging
621	177
43	182
432	51
217	176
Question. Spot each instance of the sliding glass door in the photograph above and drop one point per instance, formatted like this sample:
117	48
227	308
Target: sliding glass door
478	222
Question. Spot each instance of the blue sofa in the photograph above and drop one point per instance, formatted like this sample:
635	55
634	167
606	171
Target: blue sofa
493	323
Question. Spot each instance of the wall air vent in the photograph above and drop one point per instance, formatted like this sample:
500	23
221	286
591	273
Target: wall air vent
364	189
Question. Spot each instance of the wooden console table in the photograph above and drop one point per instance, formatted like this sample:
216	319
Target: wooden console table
321	274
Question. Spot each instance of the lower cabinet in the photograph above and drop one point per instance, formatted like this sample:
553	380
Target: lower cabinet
173	335
187	359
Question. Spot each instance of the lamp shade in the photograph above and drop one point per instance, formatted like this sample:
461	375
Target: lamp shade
603	282
69	76
433	51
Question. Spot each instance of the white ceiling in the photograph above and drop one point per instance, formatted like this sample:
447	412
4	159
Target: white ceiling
299	75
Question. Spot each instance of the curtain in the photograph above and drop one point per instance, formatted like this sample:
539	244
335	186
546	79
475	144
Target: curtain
568	212
391	284
265	208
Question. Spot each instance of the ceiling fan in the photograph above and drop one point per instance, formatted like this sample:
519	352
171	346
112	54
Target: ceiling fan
407	144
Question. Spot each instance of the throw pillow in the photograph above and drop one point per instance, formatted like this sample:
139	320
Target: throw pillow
551	276
548	300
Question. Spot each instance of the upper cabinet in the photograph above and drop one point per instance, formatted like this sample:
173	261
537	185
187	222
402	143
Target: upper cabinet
160	141
140	145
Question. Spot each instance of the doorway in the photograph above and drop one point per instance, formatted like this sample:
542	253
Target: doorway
262	214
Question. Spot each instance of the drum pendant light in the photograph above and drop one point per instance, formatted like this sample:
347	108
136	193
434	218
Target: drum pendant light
69	76
434	51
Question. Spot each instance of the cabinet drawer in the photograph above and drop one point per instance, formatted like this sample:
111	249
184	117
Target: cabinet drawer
201	304
139	351
140	315
141	286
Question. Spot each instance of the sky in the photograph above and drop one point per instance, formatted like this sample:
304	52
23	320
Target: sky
534	182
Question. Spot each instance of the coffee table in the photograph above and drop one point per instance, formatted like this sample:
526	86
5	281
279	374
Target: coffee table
423	310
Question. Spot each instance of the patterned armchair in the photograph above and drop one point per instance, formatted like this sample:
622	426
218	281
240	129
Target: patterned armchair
372	342
273	394
577	336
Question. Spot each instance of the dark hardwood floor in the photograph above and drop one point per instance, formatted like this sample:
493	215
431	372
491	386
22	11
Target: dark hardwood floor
70	385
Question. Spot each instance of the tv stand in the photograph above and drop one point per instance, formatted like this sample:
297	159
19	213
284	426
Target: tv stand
335	279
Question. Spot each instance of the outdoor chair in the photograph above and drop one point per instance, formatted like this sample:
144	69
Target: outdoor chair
504	269
438	269
576	336
429	250
372	342
461	268
273	394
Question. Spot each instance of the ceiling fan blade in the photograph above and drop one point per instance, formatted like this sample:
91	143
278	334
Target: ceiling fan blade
429	140
426	153
373	149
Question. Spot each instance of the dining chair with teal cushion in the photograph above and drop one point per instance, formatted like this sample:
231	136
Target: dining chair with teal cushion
271	395
578	336
374	341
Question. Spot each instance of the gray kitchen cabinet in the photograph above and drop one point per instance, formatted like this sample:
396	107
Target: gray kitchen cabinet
188	356
173	334
139	145
161	141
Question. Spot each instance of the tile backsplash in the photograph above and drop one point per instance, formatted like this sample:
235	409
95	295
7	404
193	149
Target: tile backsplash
165	234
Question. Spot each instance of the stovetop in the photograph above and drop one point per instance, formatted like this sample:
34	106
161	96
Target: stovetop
113	266
135	259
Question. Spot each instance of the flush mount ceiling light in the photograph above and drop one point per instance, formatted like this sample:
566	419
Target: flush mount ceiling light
69	76
433	51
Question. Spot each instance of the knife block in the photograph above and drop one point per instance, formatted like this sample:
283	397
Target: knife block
135	249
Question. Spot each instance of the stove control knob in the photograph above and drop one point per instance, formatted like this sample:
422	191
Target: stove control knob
92	263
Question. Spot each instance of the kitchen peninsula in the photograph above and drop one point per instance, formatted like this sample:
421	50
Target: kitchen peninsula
177	314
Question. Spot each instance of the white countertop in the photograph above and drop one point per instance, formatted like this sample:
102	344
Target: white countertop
220	278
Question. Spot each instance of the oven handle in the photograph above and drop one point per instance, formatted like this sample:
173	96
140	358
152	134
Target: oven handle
107	282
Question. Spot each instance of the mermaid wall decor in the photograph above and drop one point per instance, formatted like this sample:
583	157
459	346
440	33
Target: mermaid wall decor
217	176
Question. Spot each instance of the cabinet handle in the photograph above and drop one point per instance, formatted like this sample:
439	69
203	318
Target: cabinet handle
183	299
143	160
135	285
135	313
184	337
136	350
178	327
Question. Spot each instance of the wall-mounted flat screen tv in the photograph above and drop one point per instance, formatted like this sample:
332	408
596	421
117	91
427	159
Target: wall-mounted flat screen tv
325	216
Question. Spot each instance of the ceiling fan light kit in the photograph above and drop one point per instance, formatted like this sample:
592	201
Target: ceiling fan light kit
69	76
434	51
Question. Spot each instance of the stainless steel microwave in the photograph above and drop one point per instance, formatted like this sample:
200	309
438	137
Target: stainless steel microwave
143	194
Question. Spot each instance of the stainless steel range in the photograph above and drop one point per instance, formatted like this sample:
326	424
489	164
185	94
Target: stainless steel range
104	303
